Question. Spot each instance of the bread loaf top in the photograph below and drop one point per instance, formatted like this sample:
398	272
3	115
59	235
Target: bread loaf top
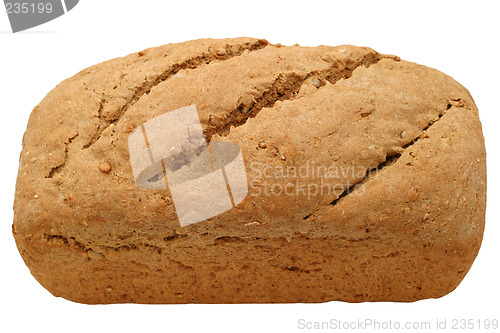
400	143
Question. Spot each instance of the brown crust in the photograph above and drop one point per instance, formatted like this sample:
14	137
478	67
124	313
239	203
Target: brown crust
406	225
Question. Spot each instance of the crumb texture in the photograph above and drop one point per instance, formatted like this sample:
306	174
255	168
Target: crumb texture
389	205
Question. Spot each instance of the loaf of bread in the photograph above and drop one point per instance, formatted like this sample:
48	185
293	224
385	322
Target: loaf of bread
365	178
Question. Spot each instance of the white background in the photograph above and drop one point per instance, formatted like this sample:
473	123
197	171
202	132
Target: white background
458	38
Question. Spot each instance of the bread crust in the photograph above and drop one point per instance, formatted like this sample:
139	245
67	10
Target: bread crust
404	223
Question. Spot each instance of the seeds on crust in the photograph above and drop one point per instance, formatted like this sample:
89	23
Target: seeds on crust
105	167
